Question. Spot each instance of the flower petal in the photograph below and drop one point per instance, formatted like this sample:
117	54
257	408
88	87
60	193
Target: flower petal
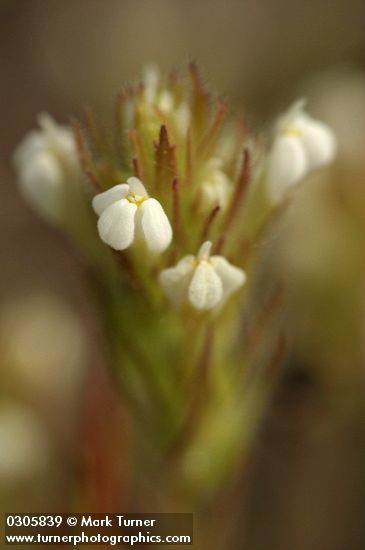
165	102
215	185
155	225
205	290
41	182
289	118
216	192
318	140
33	144
151	80
116	224
101	201
204	251
183	117
59	137
287	164
175	280
136	187
232	277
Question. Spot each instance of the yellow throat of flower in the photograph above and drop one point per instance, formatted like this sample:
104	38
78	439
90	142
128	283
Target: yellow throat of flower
292	131
136	199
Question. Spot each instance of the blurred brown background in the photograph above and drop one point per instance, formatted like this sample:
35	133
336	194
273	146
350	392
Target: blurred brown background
307	486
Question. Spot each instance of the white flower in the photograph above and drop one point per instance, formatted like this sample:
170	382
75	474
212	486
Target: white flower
127	214
215	185
204	281
45	160
160	98
301	144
